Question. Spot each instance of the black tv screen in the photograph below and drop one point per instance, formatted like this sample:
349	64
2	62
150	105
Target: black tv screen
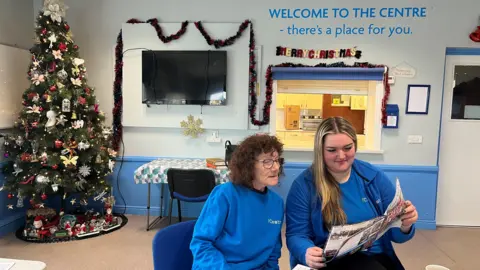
184	77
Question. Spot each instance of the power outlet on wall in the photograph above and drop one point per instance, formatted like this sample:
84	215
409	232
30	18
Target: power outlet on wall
415	139
214	138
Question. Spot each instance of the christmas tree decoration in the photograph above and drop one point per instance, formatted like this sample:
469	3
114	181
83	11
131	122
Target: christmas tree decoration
475	35
192	127
44	225
60	111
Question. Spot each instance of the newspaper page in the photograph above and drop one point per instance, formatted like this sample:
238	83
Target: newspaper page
348	239
6	265
394	211
302	267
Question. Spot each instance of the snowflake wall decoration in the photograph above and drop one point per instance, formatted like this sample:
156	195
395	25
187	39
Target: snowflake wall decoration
192	127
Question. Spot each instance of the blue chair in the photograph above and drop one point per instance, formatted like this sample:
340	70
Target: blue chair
171	247
189	185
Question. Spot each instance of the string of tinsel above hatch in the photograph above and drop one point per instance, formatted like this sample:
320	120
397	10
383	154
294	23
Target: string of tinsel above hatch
269	77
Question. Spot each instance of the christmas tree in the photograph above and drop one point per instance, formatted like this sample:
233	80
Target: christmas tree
59	144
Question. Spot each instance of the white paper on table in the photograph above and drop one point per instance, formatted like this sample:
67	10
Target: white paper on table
301	267
6	265
418	99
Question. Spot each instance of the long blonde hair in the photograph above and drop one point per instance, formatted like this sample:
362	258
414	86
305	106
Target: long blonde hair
327	188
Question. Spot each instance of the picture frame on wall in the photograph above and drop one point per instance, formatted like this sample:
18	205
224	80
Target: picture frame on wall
418	99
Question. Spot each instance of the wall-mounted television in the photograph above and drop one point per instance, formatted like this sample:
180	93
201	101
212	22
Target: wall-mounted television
184	77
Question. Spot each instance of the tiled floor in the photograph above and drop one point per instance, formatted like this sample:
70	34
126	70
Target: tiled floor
130	248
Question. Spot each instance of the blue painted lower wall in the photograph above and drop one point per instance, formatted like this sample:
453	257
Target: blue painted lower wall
419	185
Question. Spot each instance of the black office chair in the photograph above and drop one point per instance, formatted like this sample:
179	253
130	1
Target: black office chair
189	185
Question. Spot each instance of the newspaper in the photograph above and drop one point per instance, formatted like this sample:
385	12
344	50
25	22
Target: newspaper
301	267
6	265
348	239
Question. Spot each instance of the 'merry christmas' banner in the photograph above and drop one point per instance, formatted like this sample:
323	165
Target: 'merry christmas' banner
318	54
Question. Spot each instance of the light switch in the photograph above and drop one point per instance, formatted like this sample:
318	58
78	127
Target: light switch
415	139
391	80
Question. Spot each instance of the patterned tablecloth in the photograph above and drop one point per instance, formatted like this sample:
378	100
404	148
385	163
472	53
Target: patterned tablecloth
155	172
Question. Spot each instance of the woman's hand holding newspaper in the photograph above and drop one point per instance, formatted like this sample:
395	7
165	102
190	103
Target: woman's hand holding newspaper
314	258
409	217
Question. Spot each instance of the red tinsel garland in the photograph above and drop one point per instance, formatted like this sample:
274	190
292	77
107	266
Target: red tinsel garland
386	95
117	84
218	43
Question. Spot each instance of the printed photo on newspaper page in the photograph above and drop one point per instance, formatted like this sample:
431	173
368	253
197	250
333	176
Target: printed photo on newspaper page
393	212
348	239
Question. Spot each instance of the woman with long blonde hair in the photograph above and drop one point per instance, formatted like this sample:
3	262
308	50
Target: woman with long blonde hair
336	190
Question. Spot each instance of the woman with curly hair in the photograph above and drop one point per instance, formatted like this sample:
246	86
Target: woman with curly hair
240	224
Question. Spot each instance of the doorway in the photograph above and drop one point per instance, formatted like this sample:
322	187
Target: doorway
458	193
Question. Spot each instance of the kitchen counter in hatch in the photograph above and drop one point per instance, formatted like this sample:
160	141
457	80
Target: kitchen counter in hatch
298	138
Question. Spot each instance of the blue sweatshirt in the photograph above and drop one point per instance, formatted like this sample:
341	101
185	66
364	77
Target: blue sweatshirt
238	228
304	220
356	205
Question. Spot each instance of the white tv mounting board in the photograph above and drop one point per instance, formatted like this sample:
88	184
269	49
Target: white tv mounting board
14	64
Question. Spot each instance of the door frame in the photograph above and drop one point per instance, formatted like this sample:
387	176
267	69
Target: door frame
450	51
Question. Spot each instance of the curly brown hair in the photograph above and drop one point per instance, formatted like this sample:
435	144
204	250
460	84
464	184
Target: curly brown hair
242	164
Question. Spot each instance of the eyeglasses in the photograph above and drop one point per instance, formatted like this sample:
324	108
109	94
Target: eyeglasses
268	163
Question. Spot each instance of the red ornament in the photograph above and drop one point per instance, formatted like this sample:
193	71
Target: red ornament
35	124
475	35
53	88
58	143
55	167
26	157
87	91
44	31
62	47
31	95
52	67
75	47
67	27
82	100
10	195
44	197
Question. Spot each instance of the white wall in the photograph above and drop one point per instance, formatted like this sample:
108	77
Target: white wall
96	25
16	23
16	29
